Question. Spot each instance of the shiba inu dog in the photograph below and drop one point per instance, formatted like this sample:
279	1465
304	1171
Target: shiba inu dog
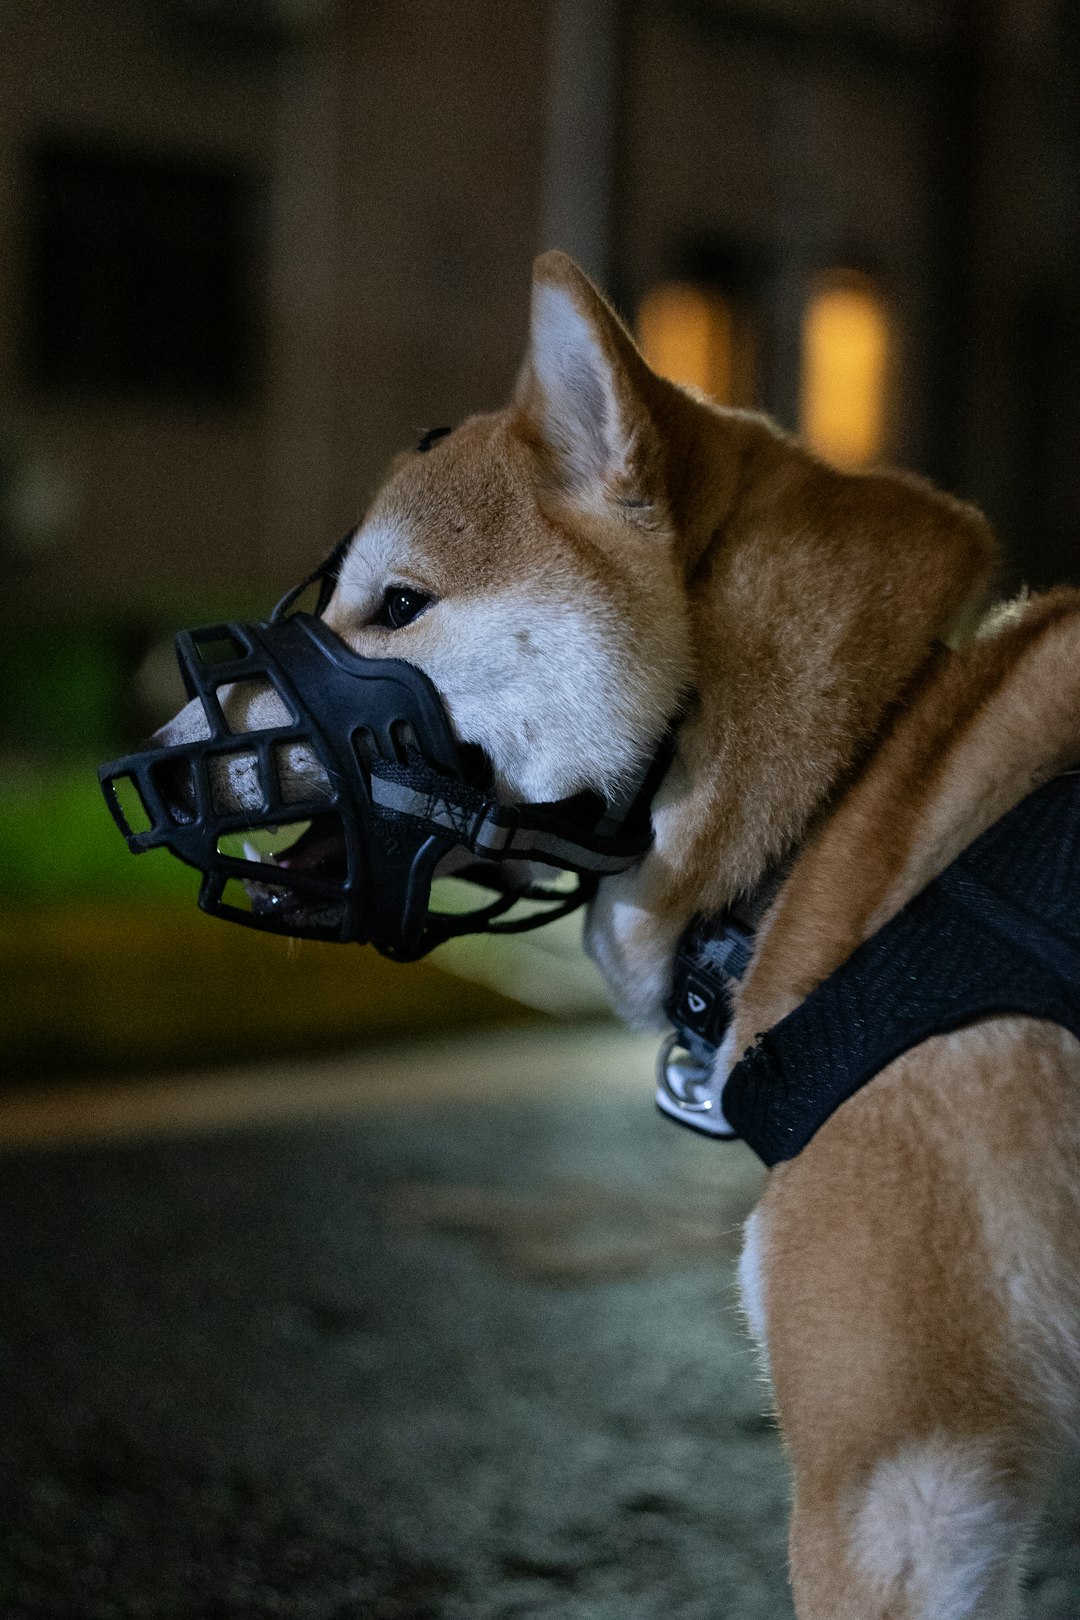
610	551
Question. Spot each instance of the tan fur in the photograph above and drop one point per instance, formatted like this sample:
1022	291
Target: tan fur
609	549
919	1278
984	728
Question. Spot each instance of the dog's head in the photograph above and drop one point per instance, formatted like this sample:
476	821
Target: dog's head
565	570
526	564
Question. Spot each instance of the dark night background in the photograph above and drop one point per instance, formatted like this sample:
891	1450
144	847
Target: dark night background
324	1290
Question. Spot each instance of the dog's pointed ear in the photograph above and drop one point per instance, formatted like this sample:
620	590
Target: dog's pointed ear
582	392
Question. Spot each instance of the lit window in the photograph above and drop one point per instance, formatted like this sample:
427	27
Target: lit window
846	352
688	334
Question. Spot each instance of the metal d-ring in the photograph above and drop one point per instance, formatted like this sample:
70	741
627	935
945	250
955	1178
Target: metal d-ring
696	1074
687	1091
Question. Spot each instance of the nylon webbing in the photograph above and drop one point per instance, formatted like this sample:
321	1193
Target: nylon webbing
997	933
491	830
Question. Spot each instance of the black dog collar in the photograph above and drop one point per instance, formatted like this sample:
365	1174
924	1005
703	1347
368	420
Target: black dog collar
997	933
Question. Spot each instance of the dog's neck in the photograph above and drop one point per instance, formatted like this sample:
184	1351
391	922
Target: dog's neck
987	727
817	602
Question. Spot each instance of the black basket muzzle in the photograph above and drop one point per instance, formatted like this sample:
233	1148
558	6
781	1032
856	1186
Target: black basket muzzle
369	789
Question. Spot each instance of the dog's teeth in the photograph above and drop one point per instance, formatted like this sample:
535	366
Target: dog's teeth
250	852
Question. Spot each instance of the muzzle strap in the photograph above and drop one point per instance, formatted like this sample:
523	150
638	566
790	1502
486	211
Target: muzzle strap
494	831
325	576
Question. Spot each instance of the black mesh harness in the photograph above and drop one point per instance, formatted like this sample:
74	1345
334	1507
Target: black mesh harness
997	933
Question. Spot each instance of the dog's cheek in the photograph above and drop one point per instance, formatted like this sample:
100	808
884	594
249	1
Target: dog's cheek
540	689
301	775
235	784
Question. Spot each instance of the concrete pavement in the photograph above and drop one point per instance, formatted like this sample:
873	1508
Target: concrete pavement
448	1333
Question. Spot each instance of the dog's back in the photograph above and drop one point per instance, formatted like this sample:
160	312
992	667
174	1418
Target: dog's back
914	1267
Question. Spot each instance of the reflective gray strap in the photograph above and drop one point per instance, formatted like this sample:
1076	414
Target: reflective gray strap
430	807
483	831
528	843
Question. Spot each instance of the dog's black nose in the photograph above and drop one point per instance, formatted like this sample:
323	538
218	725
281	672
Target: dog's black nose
175	783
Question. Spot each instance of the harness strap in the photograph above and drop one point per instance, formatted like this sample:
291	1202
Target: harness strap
997	933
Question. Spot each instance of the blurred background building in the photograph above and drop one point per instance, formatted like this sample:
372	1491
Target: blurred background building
249	249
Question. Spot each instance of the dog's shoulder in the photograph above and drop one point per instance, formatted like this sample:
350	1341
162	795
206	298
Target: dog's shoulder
985	725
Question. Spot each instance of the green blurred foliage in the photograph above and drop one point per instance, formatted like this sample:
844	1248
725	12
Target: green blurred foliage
58	842
106	963
61	689
69	698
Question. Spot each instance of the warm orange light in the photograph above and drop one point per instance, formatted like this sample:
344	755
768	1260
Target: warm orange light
686	334
845	363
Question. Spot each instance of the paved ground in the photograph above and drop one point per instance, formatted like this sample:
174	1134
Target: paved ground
389	1350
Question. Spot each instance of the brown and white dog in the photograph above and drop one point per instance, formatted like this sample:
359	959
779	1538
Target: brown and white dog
586	556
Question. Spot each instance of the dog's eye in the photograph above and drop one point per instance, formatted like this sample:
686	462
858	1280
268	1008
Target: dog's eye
400	606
